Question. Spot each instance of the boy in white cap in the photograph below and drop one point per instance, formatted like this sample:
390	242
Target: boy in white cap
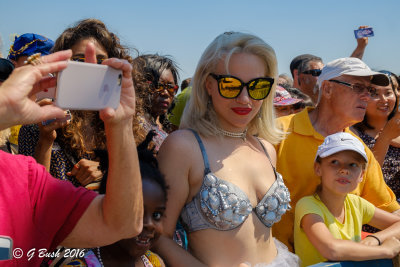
328	224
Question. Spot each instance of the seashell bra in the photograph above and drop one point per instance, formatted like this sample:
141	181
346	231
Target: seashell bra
222	205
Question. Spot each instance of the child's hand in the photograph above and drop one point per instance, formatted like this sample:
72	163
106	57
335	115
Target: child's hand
370	241
393	246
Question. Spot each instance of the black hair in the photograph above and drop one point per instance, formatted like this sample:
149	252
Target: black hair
148	166
151	67
304	65
185	83
297	61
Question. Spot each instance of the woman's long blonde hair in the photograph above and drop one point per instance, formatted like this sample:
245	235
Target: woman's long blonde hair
201	117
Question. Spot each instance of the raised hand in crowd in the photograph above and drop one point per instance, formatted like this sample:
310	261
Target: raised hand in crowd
361	45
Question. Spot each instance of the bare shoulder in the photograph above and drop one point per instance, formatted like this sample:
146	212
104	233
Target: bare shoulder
270	150
180	141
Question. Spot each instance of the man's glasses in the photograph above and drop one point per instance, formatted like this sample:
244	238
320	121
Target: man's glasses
171	88
82	59
231	87
357	88
315	72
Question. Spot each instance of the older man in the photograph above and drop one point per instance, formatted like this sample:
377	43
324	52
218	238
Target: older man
344	91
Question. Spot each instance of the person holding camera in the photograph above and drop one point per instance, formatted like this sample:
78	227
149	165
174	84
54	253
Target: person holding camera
75	149
30	196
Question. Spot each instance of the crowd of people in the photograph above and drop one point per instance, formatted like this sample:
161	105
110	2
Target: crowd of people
244	167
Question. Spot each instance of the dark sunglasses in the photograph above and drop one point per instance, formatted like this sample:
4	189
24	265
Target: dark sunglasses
315	72
390	75
231	87
171	88
82	59
357	88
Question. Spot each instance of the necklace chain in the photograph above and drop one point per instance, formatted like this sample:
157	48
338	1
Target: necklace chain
234	135
99	257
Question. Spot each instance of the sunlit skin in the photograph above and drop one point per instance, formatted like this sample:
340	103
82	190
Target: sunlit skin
245	67
385	130
381	103
340	172
78	49
238	161
128	251
162	100
307	82
347	106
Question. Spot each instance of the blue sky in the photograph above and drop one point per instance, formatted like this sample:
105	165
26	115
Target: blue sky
183	29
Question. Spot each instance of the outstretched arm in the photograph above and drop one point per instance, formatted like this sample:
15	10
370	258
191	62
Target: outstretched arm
119	213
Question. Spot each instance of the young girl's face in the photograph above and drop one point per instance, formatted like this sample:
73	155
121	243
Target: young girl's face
341	172
154	207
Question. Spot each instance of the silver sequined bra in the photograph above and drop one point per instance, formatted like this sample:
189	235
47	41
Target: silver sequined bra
222	205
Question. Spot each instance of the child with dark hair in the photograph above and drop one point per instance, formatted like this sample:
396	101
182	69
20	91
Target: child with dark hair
136	251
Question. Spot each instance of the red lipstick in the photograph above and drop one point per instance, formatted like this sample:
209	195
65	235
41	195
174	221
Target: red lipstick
242	111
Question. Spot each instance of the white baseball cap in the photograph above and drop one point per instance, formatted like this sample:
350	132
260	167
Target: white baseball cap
341	141
351	66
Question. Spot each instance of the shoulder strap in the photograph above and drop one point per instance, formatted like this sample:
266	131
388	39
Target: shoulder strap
269	158
203	152
146	261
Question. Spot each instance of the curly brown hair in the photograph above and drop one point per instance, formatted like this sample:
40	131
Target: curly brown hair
86	133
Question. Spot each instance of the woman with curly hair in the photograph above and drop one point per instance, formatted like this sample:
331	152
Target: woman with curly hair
75	150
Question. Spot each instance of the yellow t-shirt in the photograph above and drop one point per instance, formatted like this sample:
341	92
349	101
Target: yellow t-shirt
358	211
295	161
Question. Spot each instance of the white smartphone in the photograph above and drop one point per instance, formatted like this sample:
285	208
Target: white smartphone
85	86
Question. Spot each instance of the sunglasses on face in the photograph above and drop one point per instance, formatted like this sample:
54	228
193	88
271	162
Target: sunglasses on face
82	59
390	75
357	88
231	87
315	72
171	88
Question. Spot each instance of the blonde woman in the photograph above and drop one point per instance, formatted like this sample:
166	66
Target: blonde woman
220	167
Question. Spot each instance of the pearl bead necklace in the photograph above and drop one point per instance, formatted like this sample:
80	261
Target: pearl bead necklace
232	134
